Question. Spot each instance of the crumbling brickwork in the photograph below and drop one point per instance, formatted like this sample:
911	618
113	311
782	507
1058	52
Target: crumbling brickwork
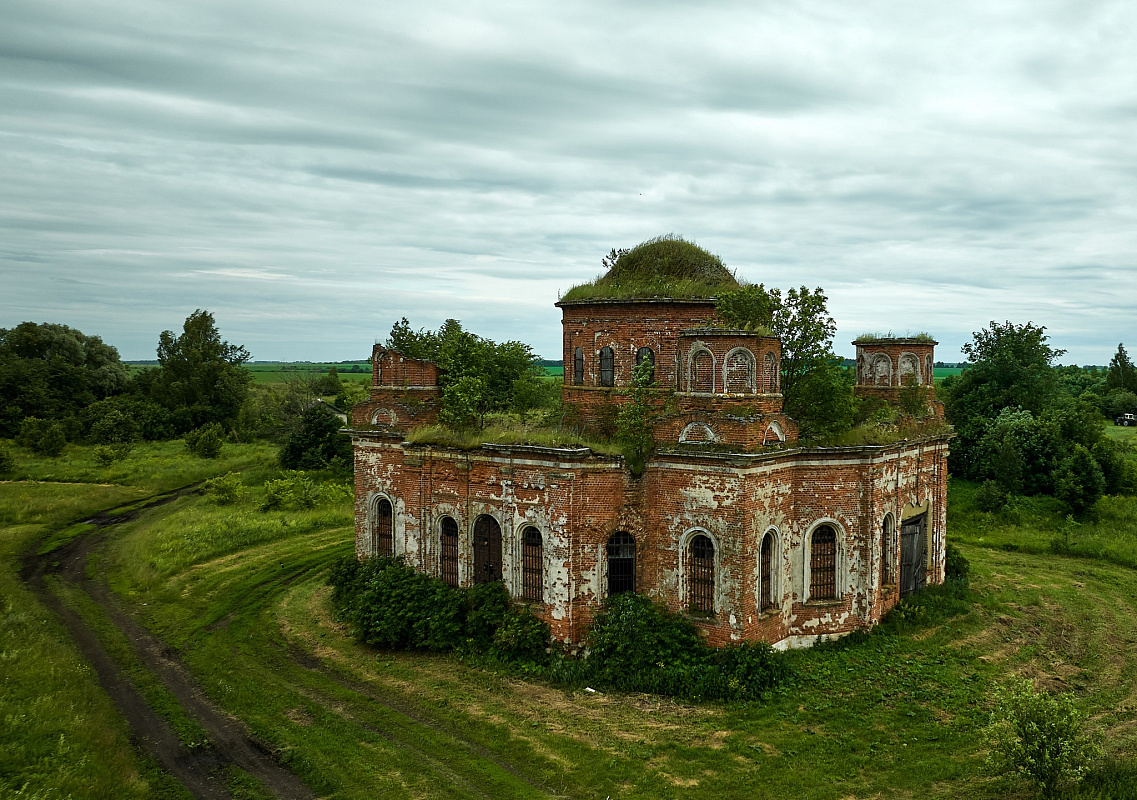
753	537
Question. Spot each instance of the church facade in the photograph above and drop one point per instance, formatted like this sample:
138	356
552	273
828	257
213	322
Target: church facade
731	522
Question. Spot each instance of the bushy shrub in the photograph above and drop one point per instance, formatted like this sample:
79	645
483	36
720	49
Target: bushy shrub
486	606
957	569
7	461
205	442
114	427
105	454
298	492
633	638
389	604
42	436
295	491
1039	736
1079	482
317	443
635	645
991	497
522	637
225	489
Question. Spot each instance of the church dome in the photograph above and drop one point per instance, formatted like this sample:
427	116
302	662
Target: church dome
664	267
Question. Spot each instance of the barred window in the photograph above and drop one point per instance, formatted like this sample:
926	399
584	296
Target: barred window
487	550
607	367
621	563
648	355
384	541
449	560
701	572
823	564
578	367
887	552
532	565
766	573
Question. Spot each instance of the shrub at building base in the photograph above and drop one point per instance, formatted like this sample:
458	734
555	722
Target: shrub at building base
390	605
635	644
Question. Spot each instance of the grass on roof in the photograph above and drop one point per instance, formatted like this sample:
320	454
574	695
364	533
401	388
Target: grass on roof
667	266
865	338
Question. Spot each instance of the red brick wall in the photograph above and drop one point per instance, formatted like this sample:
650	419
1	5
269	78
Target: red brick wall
578	501
392	368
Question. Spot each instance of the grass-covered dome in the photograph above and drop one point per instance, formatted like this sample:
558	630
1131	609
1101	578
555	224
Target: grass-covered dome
666	266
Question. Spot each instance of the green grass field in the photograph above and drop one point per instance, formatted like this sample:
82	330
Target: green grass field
239	596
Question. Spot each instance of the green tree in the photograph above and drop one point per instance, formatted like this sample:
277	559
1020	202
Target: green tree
51	371
913	397
201	378
464	403
1079	481
636	417
478	375
318	444
817	391
1011	368
43	436
1039	736
1121	374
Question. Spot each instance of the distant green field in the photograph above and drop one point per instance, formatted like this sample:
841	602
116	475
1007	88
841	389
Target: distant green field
556	372
282	372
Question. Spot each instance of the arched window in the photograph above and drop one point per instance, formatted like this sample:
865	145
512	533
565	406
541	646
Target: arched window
578	367
766	573
383	543
621	563
532	565
887	552
702	371
487	550
607	367
770	373
910	365
448	560
738	372
646	354
701	575
823	564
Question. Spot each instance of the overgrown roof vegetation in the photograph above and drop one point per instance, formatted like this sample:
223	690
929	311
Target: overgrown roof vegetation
664	267
922	336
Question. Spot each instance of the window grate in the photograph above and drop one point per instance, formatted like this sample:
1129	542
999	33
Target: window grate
767	571
823	564
532	565
607	367
578	367
702	575
487	550
384	528
449	551
621	563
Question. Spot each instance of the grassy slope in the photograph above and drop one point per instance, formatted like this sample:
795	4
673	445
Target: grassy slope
894	715
60	735
243	601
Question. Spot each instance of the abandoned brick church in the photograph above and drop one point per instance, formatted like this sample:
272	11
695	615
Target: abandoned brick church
734	524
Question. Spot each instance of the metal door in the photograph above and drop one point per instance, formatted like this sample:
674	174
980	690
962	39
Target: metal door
487	550
913	554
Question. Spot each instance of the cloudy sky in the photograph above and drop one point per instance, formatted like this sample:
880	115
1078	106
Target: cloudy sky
311	172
